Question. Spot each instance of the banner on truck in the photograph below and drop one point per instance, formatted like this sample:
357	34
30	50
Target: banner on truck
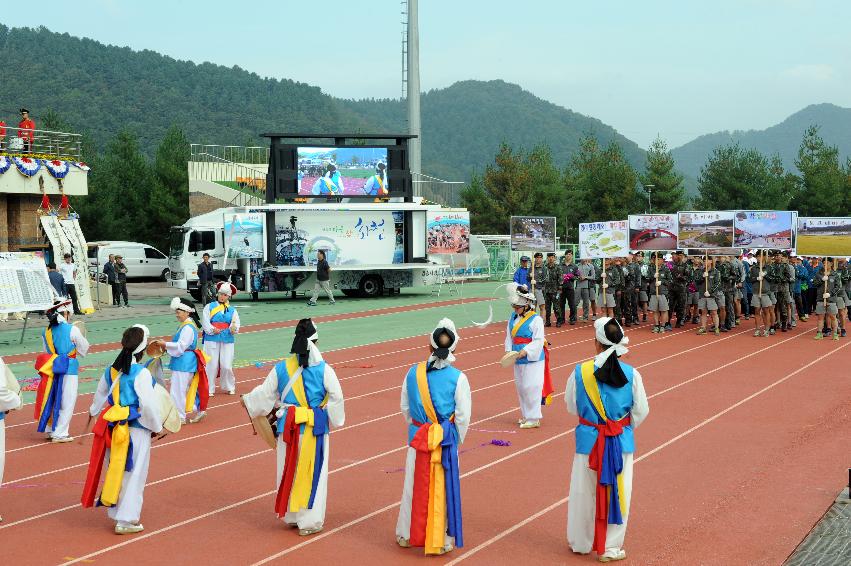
24	285
824	236
603	239
448	232
765	229
700	230
347	237
533	233
245	235
653	232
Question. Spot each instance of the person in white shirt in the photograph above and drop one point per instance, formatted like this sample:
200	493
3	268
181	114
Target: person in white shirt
9	401
69	274
220	323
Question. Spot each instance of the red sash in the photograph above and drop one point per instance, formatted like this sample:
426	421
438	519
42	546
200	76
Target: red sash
548	389
290	436
102	440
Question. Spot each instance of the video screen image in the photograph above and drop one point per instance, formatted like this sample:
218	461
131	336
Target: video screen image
342	171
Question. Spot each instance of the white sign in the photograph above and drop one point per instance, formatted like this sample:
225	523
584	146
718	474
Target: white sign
24	285
603	239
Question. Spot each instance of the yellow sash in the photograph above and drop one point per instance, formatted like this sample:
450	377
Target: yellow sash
303	481
520	322
119	447
436	518
593	391
221	307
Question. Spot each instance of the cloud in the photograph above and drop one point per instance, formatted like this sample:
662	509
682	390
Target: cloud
815	72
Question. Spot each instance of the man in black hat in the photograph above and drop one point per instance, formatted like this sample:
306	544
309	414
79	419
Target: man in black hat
569	277
537	276
552	289
25	130
681	273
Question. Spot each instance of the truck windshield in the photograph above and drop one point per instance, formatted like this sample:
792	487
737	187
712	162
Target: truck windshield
175	242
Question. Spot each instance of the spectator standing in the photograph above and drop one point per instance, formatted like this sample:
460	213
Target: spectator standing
56	280
109	271
25	132
323	279
69	274
521	276
205	279
121	279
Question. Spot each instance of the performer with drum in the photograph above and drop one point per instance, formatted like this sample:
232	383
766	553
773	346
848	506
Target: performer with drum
10	399
304	394
220	322
189	388
130	408
526	350
59	368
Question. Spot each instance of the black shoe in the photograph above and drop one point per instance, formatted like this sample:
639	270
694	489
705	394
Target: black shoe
695	320
572	321
679	324
644	318
842	333
725	329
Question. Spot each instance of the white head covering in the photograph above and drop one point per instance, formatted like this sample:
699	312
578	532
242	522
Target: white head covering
178	305
144	344
433	360
226	288
315	356
600	331
519	295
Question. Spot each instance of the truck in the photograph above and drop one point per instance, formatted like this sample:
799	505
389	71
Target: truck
372	247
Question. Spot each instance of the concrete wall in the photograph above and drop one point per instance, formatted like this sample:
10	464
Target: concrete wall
76	183
19	226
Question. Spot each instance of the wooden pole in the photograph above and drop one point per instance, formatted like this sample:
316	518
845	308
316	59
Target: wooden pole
824	290
761	253
656	261
706	271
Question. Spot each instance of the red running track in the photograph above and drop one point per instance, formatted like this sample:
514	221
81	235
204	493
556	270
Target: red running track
735	463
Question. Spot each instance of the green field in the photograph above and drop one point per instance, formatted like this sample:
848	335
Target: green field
824	245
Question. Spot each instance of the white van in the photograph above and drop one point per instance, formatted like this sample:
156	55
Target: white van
141	260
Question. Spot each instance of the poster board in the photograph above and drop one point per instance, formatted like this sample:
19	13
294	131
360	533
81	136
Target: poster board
653	232
80	252
24	285
448	232
765	229
533	233
704	230
603	239
245	235
714	252
829	236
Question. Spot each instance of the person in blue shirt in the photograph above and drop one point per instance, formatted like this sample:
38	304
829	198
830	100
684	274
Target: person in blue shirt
521	276
800	288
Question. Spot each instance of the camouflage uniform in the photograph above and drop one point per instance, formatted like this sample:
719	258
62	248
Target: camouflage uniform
552	291
681	273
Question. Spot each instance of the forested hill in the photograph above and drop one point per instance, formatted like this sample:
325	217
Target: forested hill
102	89
784	138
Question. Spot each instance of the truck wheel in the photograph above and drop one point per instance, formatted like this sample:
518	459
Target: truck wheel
196	294
371	286
164	276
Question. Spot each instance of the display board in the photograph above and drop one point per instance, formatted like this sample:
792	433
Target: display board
765	229
824	236
448	232
65	236
603	239
714	252
701	230
342	171
533	233
245	235
653	232
24	285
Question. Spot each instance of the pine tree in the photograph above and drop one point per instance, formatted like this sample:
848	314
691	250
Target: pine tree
668	192
822	189
169	204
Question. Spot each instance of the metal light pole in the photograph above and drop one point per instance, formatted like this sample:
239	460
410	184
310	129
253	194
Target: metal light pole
413	94
649	189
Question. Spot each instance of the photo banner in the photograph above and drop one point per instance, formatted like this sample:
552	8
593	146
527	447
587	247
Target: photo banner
824	236
765	229
245	235
533	233
448	232
24	285
702	230
714	252
653	232
603	239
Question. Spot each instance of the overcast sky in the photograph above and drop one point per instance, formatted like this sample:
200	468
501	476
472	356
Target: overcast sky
651	67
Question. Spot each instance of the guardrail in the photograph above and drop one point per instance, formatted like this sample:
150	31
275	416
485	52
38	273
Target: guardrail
45	144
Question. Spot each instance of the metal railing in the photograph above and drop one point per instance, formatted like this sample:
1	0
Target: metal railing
249	182
233	153
446	193
45	144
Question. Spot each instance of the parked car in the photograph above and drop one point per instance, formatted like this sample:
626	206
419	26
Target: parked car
141	260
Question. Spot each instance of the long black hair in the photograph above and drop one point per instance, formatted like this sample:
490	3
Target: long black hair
130	340
611	372
303	331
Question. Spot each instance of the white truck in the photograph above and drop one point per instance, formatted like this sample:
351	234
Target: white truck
372	247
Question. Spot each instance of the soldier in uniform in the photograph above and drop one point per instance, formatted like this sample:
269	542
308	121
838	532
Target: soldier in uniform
570	276
660	280
634	290
707	280
611	281
729	279
827	289
777	277
643	294
681	274
552	289
761	302
844	272
692	294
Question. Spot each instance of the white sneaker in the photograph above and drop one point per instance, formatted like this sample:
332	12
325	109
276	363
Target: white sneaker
403	542
62	439
308	532
613	555
198	417
128	529
232	392
531	424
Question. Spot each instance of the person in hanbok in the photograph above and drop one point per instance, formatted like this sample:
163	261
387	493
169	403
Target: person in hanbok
220	323
305	394
436	403
609	397
128	414
9	401
331	183
525	337
376	185
189	387
58	367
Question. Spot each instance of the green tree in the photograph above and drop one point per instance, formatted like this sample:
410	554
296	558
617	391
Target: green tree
822	188
668	192
169	203
731	178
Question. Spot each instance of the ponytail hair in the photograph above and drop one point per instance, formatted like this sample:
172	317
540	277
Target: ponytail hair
130	340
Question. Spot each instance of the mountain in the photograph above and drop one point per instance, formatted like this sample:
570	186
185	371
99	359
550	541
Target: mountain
101	89
783	138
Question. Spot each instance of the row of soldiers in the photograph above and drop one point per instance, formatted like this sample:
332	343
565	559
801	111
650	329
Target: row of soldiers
728	288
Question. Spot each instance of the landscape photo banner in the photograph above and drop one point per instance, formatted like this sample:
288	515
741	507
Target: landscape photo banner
448	232
245	235
653	232
715	252
533	233
603	239
765	229
24	285
701	230
824	236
